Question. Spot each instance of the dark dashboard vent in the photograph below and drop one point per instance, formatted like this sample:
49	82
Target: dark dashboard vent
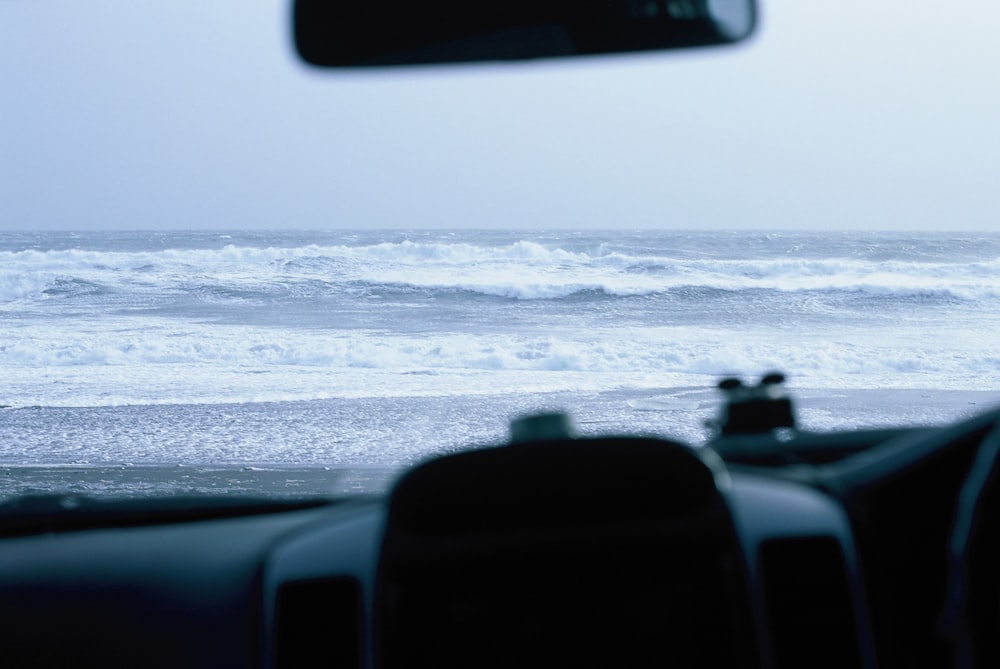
319	624
809	606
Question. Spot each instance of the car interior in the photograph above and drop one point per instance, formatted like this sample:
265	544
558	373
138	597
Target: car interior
767	547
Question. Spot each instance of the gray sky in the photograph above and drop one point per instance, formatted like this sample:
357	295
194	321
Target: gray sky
186	114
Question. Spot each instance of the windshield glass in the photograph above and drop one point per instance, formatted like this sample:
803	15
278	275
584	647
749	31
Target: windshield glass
220	272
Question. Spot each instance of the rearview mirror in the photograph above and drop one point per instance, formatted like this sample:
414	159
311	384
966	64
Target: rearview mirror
353	33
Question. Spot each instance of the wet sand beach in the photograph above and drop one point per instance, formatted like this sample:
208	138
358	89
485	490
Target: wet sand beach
342	447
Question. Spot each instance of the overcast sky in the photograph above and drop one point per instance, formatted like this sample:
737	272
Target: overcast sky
194	113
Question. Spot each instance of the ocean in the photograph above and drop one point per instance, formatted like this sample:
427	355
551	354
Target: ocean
357	348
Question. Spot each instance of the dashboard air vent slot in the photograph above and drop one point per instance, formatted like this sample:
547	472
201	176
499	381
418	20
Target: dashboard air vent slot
809	606
319	624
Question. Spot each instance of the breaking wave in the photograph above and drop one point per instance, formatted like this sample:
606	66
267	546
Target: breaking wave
522	270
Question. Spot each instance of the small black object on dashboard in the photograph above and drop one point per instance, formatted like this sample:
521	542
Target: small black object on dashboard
759	409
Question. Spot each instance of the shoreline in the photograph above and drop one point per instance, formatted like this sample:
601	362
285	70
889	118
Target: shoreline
145	480
677	413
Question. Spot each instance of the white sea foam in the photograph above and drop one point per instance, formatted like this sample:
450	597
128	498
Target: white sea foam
210	363
522	269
